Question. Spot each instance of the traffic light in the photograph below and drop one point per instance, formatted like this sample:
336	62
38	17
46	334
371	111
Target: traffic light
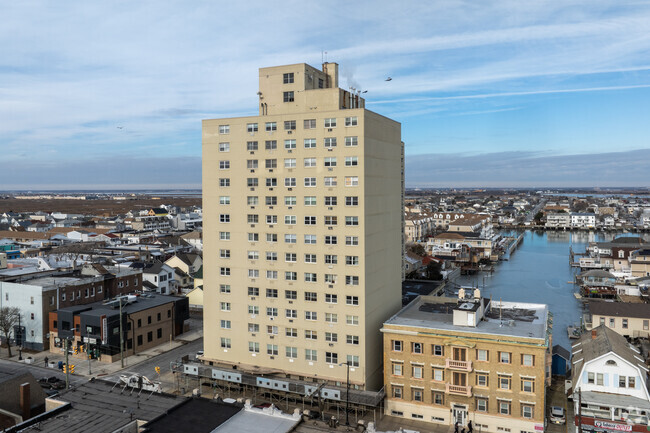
75	350
157	369
65	368
71	368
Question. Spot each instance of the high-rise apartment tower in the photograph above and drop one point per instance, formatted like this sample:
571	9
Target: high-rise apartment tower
302	231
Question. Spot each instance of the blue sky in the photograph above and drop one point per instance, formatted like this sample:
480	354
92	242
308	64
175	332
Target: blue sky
489	93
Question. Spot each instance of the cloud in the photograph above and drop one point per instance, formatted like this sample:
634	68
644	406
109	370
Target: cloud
528	169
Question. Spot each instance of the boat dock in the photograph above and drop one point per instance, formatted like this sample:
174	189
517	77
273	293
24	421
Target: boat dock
512	244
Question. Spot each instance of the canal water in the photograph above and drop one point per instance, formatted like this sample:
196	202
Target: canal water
539	272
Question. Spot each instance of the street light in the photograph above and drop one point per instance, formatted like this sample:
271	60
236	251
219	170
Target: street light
347	394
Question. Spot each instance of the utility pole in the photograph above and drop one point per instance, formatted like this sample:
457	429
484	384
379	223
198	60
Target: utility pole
121	336
67	367
579	409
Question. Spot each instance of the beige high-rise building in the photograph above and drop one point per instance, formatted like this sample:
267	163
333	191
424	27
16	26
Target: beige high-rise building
302	231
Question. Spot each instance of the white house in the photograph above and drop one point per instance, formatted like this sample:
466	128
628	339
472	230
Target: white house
609	381
583	220
160	275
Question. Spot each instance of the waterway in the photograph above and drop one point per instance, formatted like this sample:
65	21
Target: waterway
539	272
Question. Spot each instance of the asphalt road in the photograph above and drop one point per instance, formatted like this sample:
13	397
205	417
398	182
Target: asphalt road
37	371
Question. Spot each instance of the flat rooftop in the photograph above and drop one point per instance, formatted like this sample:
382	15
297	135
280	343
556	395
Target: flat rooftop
144	302
513	319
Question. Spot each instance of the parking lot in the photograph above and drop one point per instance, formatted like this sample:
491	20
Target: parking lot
555	397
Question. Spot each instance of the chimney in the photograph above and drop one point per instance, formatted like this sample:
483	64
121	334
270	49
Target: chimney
594	334
25	401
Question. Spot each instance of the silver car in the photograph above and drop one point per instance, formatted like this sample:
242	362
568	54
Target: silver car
557	415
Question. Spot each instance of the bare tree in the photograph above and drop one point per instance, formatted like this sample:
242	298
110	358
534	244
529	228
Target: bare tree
9	317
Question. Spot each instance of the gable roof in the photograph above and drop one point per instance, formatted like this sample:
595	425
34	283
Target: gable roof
620	309
601	341
561	351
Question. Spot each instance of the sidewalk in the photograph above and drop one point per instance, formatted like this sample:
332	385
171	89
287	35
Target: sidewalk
97	368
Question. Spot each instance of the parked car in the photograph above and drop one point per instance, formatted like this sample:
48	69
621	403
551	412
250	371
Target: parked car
557	415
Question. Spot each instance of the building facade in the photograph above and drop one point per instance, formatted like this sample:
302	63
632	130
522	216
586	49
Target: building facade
302	230
464	359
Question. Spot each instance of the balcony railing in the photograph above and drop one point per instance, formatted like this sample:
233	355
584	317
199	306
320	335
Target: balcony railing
459	390
459	365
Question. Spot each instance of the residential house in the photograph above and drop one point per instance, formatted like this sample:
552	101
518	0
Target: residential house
558	220
629	319
609	379
583	220
160	275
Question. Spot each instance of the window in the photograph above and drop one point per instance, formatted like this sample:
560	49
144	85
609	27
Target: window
310	277
288	97
351	121
330	161
416	395
290	276
331	259
352	260
481	404
526	411
290	239
252	218
224	272
622	381
311	355
272	182
646	325
330	240
290	163
612	323
527	360
397	391
351	280
310	143
291	332
311	335
271	219
504	357
225	324
290	144
271	163
291	352
330	201
271	312
271	126
310	162
224	218
272	330
290	200
310	239
330	142
331	357
331	317
291	313
290	294
504	382
253	255
330	181
310	200
331	337
272	349
271	293
351	141
225	343
310	220
310	181
352	320
289	125
251	146
252	182
330	122
224	182
504	407
252	200
253	291
482	355
437	350
309	123
251	164
482	380
351	180
253	347
310	258
416	348
224	254
290	219
224	288
351	300
353	360
527	385
287	78
311	315
351	161
224	147
271	275
352	201
351	240
624	323
270	144
290	257
254	273
599	379
271	237
225	306
253	237
351	221
251	127
224	129
331	298
253	310
631	382
437	398
224	165
224	199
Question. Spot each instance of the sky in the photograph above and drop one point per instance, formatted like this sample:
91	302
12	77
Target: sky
489	93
